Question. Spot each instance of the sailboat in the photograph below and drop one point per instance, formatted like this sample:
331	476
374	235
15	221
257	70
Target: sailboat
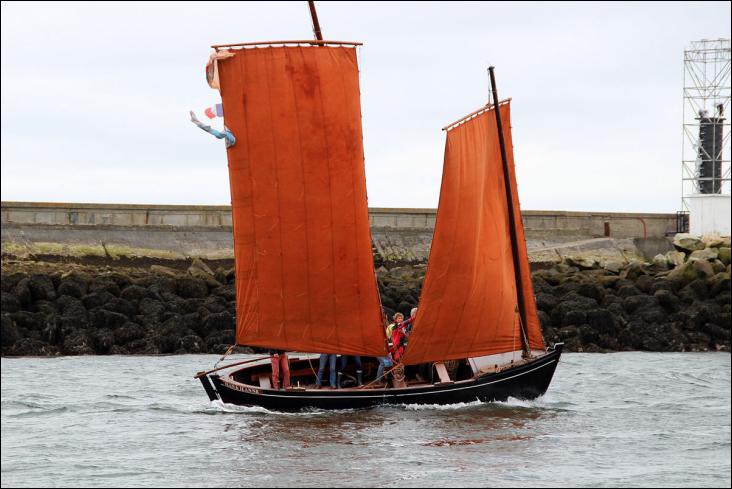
305	278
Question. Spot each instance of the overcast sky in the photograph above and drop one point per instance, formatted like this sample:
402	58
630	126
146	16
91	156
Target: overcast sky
95	96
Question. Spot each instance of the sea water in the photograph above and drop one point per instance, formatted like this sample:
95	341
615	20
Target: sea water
622	419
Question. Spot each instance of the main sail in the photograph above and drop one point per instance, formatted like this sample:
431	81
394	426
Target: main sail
304	269
469	305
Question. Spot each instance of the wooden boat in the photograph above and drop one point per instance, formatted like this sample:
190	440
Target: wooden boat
305	277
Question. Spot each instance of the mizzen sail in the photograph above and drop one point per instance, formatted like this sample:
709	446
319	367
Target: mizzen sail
304	270
468	305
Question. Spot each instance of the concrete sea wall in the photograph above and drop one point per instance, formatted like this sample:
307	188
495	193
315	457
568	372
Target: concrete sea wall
399	235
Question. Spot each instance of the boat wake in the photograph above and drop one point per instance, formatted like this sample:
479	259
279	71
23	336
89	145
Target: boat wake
441	407
223	407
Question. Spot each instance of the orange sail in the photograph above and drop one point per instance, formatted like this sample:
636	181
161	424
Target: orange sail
469	304
304	270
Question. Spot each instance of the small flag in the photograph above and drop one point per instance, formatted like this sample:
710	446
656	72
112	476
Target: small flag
215	111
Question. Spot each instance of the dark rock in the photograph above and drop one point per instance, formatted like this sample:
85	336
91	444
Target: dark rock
53	332
718	284
47	308
215	304
152	308
31	321
574	317
104	284
220	275
228	292
135	293
602	321
609	281
162	287
592	290
101	318
70	306
546	302
120	279
143	346
696	290
698	341
667	300
545	320
10	303
118	350
189	287
723	298
97	299
128	332
121	306
9	281
631	337
73	287
660	284
716	332
568	332
41	287
588	334
617	310
78	343
9	333
215	322
644	283
33	347
591	348
103	340
190	344
608	342
628	291
540	285
189	306
698	314
636	302
22	293
563	308
218	338
653	315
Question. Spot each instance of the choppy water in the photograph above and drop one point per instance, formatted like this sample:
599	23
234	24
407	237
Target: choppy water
625	419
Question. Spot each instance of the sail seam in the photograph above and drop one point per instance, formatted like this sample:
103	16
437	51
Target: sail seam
305	192
281	261
251	206
330	194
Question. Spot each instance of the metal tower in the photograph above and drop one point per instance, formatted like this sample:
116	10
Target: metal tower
705	159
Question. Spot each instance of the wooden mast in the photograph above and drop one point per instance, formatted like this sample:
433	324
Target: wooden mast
511	220
316	24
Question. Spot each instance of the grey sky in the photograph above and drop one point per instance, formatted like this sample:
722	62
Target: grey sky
95	96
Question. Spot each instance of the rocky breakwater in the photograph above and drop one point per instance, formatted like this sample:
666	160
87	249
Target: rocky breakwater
678	302
64	309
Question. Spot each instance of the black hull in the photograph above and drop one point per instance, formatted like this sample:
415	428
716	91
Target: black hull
527	381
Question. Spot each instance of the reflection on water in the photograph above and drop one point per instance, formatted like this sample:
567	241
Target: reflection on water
621	419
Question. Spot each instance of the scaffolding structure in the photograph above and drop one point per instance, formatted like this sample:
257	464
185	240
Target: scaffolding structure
705	159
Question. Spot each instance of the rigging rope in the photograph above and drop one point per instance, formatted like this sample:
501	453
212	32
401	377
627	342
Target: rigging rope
228	352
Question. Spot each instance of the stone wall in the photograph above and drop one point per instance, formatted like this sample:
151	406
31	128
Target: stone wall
180	231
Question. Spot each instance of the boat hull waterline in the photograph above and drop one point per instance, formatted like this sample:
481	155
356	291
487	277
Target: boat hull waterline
527	381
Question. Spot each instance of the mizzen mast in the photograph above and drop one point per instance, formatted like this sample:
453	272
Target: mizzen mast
511	219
